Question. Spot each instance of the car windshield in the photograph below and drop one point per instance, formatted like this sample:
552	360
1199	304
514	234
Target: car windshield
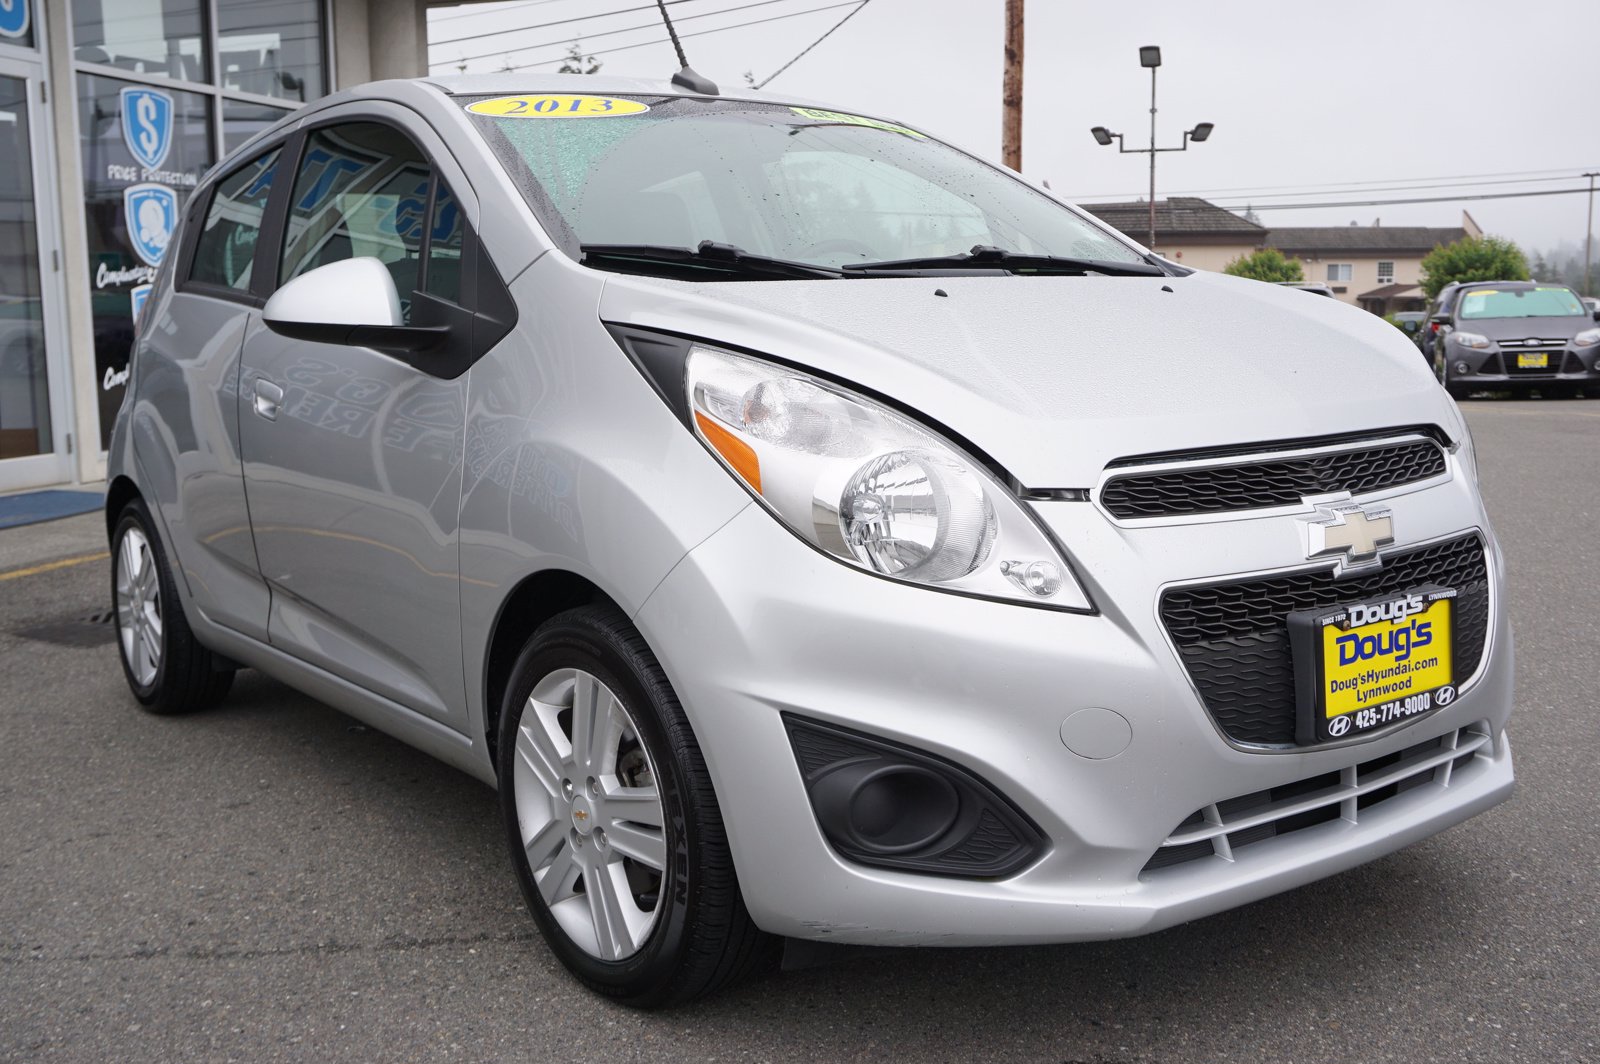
1520	303
788	183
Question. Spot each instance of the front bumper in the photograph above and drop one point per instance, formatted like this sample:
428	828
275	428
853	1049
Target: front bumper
753	624
1496	367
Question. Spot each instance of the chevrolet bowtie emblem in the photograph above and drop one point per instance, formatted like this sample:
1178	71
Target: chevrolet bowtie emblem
1351	532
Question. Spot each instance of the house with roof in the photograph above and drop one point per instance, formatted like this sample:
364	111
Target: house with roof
1189	230
1376	267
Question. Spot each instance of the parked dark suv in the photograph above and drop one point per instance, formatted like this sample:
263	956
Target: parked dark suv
1516	334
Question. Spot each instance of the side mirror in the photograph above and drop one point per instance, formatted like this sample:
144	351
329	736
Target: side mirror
352	302
1597	315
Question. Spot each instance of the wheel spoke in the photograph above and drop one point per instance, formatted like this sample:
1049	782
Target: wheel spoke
585	695
611	929
539	753
542	848
130	556
646	845
641	805
152	619
557	882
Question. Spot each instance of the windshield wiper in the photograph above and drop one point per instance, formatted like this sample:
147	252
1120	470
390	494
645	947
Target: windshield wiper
709	256
987	258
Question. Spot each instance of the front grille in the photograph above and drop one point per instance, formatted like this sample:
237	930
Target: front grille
1234	638
1223	828
1251	485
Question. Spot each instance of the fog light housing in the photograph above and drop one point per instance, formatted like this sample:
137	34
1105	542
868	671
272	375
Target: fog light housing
883	804
1462	367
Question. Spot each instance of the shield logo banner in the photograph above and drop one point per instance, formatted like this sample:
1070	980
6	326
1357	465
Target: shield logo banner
147	124
13	18
136	300
151	214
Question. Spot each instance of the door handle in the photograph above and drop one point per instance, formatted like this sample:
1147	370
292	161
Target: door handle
268	396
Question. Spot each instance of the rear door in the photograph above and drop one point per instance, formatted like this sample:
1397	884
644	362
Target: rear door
352	459
185	423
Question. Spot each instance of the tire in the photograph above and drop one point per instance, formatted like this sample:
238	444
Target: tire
1457	392
167	670
669	924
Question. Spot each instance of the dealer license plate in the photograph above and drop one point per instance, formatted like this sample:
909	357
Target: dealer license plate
1369	665
1540	360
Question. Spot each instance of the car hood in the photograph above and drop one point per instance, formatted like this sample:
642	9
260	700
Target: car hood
1519	329
1055	377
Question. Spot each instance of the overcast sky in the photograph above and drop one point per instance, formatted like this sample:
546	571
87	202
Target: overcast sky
1336	99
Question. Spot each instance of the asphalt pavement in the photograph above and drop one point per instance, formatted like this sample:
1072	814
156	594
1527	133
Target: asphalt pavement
273	881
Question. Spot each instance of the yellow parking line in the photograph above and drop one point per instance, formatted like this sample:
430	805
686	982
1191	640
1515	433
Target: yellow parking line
64	563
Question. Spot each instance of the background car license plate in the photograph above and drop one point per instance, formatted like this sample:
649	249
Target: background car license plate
1541	360
1369	665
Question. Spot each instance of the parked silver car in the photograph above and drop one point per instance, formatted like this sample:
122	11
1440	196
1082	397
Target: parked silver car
814	531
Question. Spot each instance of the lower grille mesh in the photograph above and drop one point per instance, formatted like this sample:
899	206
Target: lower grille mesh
1234	638
1221	829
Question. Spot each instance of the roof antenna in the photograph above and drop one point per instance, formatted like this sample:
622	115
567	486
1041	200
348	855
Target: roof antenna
686	78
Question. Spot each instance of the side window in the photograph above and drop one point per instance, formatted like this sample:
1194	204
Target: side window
445	230
362	190
227	245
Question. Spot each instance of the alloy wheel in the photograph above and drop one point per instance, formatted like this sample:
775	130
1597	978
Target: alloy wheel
589	813
139	606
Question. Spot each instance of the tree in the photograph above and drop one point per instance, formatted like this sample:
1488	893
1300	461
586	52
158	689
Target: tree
1473	258
578	63
1268	264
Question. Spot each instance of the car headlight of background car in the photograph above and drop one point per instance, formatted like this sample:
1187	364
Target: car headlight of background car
1587	338
870	487
1470	339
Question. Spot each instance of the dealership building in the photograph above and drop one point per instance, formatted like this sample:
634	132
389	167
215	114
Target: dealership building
110	111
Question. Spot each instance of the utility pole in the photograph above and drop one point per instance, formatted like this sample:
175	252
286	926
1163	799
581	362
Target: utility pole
1011	90
1588	240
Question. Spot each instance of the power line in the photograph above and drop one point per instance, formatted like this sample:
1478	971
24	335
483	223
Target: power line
848	16
684	36
557	22
1420	199
1323	186
606	33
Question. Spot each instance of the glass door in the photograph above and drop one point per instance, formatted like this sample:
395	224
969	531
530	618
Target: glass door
32	387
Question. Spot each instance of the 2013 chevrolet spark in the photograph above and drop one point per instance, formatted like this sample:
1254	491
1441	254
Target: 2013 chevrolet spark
812	530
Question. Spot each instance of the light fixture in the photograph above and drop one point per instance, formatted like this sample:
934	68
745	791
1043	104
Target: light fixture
1150	56
1102	135
1199	133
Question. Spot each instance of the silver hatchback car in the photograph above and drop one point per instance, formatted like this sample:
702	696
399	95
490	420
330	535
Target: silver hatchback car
815	532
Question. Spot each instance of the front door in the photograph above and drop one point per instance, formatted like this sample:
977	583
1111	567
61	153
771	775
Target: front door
33	415
352	459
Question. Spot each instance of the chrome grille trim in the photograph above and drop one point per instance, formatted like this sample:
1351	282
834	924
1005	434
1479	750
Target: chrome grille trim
1245	457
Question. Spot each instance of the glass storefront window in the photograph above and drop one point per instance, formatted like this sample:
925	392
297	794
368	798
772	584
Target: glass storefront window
165	37
241	121
271	47
24	382
143	150
16	22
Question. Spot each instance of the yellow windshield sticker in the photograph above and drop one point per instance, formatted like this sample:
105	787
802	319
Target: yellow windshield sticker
557	105
853	120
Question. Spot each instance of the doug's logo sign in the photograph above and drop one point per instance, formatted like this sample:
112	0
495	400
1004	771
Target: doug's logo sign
151	212
147	125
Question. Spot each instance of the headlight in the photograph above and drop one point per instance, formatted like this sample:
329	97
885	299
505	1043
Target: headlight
1587	338
1470	339
869	486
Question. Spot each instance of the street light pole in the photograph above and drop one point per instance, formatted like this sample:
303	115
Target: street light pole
1152	243
1588	240
1150	56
